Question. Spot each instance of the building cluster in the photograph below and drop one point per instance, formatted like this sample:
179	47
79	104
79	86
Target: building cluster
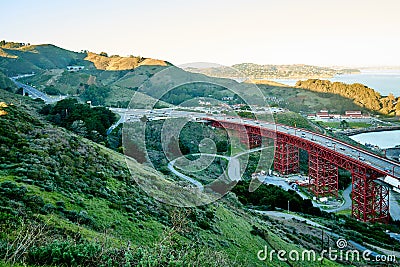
349	114
204	103
75	68
284	71
206	106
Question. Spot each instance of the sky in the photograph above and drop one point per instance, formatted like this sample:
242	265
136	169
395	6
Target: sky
318	32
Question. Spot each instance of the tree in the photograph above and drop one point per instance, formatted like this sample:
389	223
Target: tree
144	118
95	94
222	146
20	91
81	118
79	127
397	108
344	124
104	54
51	90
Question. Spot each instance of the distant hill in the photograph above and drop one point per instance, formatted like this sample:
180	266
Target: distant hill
103	62
101	72
114	80
255	71
265	82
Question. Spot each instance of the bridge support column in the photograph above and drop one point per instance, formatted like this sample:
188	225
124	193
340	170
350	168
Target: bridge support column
323	175
286	159
250	140
370	199
251	137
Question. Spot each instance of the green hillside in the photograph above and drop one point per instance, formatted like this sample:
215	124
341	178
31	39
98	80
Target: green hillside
65	200
114	80
78	204
17	58
6	83
36	58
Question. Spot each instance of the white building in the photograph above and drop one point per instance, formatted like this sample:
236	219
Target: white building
75	68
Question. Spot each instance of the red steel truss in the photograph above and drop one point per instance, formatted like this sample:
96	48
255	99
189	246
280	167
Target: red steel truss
286	158
250	136
323	176
249	139
370	199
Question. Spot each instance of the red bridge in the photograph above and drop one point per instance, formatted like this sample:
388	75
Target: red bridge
370	197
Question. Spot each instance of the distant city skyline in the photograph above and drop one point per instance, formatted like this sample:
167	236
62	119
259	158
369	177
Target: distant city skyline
327	33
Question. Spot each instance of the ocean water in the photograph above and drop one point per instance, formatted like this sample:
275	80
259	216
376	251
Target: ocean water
384	139
382	81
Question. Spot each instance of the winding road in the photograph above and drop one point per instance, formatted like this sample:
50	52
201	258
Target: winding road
233	166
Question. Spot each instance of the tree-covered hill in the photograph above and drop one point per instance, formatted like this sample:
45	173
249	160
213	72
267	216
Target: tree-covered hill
361	95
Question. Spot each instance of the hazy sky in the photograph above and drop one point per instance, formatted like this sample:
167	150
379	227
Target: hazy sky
321	32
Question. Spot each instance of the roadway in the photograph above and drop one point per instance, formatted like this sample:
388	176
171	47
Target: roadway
34	93
233	169
347	201
183	176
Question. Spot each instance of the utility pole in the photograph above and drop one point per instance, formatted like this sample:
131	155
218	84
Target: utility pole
288	205
322	240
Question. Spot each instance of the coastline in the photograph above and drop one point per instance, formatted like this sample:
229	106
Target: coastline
370	130
382	139
384	82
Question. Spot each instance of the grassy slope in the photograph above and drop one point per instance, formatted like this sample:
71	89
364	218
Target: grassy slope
36	58
121	63
6	83
96	199
143	224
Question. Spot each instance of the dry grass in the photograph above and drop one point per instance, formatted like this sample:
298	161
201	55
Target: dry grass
121	63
